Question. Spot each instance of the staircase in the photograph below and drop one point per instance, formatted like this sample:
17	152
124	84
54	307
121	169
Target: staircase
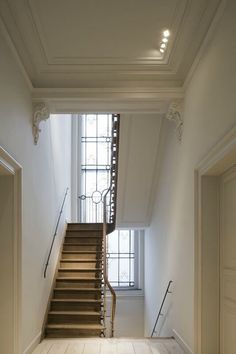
76	307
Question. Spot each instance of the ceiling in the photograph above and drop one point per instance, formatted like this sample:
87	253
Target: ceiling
90	44
104	56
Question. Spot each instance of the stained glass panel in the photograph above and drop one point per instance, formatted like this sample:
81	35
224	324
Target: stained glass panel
121	252
95	165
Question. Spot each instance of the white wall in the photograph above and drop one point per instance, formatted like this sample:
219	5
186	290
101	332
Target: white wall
209	113
129	318
139	139
46	174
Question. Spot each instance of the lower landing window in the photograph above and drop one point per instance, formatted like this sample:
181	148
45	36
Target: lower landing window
124	259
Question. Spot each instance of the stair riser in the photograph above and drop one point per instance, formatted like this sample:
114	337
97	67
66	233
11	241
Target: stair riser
76	319
87	234
67	306
84	227
56	333
79	265
80	274
80	256
73	295
81	240
68	247
77	284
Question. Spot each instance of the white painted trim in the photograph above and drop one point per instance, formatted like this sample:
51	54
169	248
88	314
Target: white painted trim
8	163
33	344
217	161
125	105
15	54
205	43
181	342
108	93
209	165
9	169
122	100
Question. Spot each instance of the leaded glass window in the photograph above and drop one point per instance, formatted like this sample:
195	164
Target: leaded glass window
123	258
95	165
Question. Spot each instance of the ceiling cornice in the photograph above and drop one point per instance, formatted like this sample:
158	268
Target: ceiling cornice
15	53
107	93
135	100
209	36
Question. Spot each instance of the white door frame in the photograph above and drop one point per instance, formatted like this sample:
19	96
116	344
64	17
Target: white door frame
13	168
217	161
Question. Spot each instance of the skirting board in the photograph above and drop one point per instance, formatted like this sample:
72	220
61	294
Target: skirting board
33	344
181	342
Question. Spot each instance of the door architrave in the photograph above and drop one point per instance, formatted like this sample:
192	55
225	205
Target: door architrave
217	161
11	167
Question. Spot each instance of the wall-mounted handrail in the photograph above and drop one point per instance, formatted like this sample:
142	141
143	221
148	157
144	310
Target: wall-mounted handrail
109	214
162	304
55	233
105	275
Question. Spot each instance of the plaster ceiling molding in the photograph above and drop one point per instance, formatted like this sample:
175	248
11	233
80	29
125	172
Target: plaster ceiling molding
80	44
137	100
175	115
41	113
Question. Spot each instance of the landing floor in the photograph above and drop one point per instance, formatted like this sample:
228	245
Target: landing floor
108	346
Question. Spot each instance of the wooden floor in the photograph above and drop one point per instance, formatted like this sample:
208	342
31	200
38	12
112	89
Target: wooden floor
108	346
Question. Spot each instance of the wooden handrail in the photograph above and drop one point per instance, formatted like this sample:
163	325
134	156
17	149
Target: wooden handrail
109	214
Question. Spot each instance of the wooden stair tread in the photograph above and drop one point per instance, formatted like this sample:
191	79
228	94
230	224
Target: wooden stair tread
81	252
81	244
76	313
84	229
75	326
92	301
79	269
76	260
79	289
86	225
79	278
84	236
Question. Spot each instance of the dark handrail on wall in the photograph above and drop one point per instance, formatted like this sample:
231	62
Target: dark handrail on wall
55	233
163	301
109	213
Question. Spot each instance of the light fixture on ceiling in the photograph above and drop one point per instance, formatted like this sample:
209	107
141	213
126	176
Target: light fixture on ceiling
166	33
164	40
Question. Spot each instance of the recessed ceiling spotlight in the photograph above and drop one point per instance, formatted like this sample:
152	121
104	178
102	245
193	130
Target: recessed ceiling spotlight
164	41
166	33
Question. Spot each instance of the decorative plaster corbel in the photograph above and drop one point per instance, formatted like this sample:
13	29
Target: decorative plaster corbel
175	114
41	113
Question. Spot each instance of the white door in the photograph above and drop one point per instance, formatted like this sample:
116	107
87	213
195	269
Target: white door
228	263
